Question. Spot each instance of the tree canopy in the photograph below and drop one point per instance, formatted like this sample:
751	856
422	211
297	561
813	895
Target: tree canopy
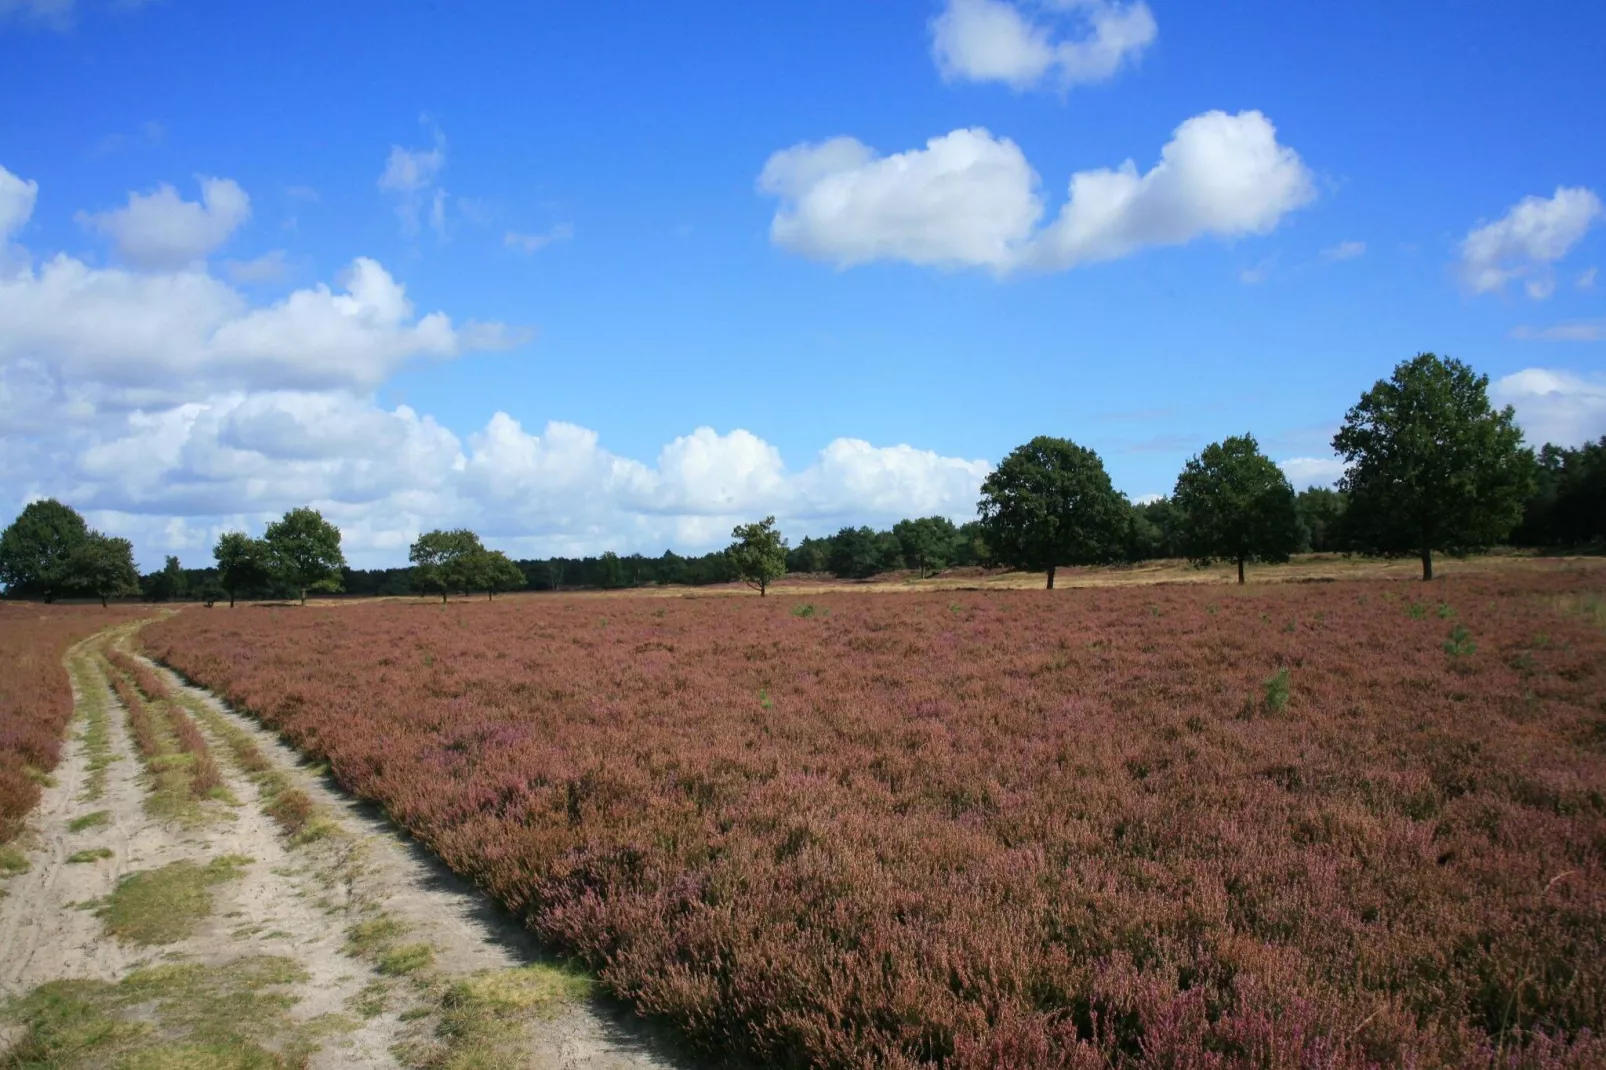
305	549
103	567
759	553
35	549
489	571
1430	464
1050	503
439	561
927	544
1236	505
243	563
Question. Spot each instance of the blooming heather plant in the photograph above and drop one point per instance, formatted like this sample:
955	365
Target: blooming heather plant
1003	829
36	695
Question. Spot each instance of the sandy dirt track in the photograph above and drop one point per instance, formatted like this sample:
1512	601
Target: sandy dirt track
298	900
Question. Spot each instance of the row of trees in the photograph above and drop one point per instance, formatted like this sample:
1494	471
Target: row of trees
1430	466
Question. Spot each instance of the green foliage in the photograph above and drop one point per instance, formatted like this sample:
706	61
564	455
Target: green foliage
1568	506
1154	530
1050	503
305	550
170	584
1237	505
440	560
103	567
857	554
1460	644
489	571
1321	516
1275	694
243	563
758	555
927	544
34	550
1431	464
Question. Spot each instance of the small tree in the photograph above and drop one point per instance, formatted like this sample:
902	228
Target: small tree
243	563
758	555
489	571
438	559
35	548
169	584
928	543
305	549
1430	464
103	567
1050	503
1236	505
855	554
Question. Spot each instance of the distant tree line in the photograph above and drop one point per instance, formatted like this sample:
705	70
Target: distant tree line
1431	466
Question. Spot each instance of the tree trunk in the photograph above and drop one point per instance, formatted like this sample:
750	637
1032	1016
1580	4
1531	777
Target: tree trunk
443	596
1240	569
1427	563
231	599
102	601
489	595
1050	577
303	595
763	588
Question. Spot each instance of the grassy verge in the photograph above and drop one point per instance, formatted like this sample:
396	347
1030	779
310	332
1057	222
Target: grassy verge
163	906
180	765
92	854
90	821
233	1016
287	804
91	687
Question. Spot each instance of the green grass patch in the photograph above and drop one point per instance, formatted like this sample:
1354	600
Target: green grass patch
163	906
484	1017
408	958
12	862
92	854
369	938
89	821
98	756
233	1016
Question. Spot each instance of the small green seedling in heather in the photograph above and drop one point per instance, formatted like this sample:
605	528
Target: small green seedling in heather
1276	692
1460	644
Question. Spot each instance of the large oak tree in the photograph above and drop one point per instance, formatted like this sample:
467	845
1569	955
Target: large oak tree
1431	464
1050	503
1236	505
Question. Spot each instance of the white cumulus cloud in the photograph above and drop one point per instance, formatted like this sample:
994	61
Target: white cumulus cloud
412	177
162	230
1022	44
969	199
1305	472
1555	406
1524	243
17	199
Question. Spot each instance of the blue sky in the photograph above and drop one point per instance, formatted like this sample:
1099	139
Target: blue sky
638	224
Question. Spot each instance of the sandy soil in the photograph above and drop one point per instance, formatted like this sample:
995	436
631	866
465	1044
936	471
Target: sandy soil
293	901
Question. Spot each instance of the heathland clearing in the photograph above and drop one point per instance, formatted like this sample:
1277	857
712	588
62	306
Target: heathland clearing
1350	822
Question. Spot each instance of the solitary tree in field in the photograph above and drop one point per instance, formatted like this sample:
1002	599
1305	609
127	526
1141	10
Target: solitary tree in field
103	567
168	584
242	563
35	548
305	549
438	559
1237	505
1050	503
1430	464
489	571
927	543
758	555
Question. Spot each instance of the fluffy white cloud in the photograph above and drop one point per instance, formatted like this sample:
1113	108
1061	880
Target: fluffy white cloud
1555	406
1223	175
412	176
965	199
1305	472
1345	250
1527	241
997	40
969	199
109	337
162	230
17	199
